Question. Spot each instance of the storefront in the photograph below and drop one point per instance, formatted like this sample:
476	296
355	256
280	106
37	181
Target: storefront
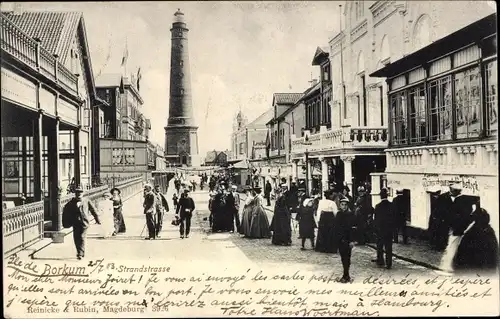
443	118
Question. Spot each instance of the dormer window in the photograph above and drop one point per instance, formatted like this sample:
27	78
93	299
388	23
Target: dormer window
326	73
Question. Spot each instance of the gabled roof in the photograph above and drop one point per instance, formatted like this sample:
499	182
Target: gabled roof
109	80
55	29
286	98
211	156
320	55
262	119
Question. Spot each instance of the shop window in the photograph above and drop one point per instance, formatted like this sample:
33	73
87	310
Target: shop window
440	109
417	127
399	124
491	99
467	103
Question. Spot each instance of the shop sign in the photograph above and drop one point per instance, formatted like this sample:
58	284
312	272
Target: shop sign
469	183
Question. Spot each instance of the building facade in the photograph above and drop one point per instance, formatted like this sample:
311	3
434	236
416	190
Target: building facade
443	104
245	135
48	95
181	133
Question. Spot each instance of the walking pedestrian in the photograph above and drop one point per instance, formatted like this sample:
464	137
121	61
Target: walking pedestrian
161	209
76	215
150	211
345	224
307	224
384	227
236	207
400	211
363	212
185	213
259	226
281	224
106	215
327	209
119	222
246	217
267	193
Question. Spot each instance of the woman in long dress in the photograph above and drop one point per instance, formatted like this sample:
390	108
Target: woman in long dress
246	218
327	209
106	215
259	226
119	222
307	224
281	224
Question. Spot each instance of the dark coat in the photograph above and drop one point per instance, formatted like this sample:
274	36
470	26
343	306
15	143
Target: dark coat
478	249
345	227
461	214
79	216
149	203
384	218
400	209
162	201
185	203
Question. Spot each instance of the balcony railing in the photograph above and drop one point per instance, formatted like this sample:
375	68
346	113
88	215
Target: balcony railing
22	226
345	138
479	157
29	51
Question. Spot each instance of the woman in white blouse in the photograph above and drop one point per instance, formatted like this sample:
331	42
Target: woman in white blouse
327	210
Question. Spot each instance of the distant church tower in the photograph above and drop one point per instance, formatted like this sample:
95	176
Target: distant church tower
181	133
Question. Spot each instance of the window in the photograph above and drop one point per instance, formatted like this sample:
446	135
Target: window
491	99
416	102
381	95
440	109
326	73
467	103
363	87
83	160
398	117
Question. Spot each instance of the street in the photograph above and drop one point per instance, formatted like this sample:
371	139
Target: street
225	248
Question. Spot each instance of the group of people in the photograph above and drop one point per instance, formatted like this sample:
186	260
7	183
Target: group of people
108	213
155	206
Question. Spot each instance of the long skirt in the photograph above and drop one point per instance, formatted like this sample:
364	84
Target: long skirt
119	222
449	253
259	226
307	224
281	226
326	241
246	220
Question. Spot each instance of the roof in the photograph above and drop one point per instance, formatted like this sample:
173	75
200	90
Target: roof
109	80
320	55
211	156
455	41
56	30
286	98
262	119
312	90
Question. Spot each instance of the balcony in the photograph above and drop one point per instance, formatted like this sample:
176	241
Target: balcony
479	157
345	138
30	52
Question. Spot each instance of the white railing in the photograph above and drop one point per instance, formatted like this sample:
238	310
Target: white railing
345	138
18	44
479	157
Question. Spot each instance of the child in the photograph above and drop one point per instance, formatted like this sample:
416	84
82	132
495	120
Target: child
175	200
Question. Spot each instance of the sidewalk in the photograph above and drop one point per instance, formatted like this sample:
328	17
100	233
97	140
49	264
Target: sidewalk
418	252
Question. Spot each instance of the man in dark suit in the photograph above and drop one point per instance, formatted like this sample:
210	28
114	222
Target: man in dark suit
185	212
161	208
401	211
236	206
77	211
346	227
150	211
267	193
384	228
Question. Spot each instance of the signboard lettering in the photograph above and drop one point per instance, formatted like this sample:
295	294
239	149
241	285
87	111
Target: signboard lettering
469	183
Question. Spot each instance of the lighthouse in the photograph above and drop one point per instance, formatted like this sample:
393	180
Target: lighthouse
181	132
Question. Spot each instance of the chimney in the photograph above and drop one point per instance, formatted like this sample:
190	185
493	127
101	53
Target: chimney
18	8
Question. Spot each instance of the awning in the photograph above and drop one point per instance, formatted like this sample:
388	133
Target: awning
455	41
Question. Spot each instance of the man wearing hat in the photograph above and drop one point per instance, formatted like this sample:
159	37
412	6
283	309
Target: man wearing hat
401	212
150	211
267	193
363	212
346	228
384	228
438	227
185	213
161	208
76	215
235	206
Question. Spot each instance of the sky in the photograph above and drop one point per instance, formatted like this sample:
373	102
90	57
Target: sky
240	54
